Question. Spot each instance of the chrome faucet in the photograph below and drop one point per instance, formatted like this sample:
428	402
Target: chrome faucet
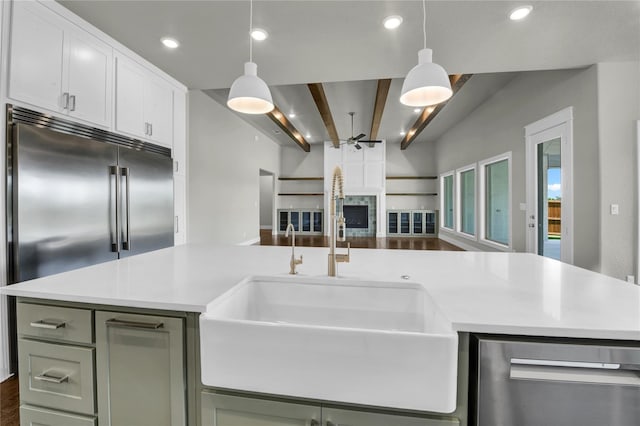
293	262
338	222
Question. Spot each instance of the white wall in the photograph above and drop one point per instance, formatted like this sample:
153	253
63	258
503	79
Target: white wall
417	160
618	111
225	158
298	163
497	126
266	202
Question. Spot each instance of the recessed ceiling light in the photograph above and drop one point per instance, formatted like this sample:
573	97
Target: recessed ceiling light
308	135
520	13
169	42
258	34
417	110
402	133
392	22
292	115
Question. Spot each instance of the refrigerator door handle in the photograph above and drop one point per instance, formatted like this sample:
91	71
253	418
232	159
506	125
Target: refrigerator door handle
126	239
114	197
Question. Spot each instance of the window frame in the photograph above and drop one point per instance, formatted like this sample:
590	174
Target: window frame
442	201
458	196
482	234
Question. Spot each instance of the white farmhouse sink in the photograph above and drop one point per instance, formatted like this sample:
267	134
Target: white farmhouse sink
373	343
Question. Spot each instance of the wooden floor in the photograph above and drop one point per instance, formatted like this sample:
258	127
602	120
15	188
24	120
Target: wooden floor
9	402
406	243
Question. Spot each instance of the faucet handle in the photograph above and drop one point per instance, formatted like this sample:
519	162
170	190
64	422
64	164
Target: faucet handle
344	258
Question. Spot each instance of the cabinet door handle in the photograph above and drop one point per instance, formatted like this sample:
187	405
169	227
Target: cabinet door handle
177	227
46	377
72	101
146	128
48	324
134	324
150	129
65	100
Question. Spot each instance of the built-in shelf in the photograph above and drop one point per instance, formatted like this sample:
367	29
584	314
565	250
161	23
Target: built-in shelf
310	194
300	178
412	177
413	193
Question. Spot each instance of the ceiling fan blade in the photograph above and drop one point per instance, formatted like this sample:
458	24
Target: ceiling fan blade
360	136
371	141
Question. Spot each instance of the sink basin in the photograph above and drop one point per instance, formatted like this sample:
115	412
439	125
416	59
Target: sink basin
374	343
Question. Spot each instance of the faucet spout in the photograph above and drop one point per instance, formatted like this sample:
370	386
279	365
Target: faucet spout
293	262
337	180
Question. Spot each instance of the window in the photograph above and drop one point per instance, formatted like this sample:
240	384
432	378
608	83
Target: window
466	178
496	200
446	200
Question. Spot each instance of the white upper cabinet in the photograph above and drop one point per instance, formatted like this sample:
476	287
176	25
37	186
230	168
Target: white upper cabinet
56	66
144	103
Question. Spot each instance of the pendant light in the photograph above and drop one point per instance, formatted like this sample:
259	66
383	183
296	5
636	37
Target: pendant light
249	94
427	83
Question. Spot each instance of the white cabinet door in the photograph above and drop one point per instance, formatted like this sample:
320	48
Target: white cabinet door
179	133
89	79
180	209
130	82
158	111
36	62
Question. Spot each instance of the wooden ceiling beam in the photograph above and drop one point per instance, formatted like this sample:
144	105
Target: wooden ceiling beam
320	99
283	122
378	106
429	113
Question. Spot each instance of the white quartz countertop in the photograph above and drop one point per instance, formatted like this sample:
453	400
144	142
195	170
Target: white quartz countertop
505	293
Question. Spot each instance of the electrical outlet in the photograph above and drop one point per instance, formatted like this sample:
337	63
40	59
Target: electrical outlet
615	209
631	279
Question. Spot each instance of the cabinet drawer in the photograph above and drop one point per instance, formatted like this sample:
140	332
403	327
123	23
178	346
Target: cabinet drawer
36	416
54	322
56	376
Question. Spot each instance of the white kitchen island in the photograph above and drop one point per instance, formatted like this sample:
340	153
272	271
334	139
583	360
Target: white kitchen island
488	293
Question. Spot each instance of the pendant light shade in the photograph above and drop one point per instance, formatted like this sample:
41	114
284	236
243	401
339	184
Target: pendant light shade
249	94
426	84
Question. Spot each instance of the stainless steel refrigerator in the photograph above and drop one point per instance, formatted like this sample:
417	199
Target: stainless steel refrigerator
78	196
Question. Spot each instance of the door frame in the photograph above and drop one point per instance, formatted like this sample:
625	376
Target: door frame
558	125
637	277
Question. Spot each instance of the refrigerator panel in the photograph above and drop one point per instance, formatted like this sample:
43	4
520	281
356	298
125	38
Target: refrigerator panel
63	202
147	215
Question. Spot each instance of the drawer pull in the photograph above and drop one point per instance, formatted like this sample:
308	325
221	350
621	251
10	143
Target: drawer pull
46	377
134	324
48	324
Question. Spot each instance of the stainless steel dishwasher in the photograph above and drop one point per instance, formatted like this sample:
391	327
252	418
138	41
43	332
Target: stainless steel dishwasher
555	383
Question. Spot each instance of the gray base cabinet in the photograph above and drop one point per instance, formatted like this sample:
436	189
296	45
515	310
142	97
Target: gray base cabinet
36	416
230	410
140	370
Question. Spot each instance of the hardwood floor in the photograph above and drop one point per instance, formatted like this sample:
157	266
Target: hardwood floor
10	402
406	243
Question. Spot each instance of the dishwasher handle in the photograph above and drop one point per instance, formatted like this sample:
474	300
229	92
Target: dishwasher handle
573	372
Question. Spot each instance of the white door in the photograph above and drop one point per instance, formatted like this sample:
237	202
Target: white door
158	111
35	67
130	82
89	79
549	165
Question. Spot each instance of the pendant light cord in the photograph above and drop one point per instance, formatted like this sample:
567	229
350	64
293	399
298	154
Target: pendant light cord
250	28
424	22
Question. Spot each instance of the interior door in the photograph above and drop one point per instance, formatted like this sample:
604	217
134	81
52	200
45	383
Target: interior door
549	187
147	201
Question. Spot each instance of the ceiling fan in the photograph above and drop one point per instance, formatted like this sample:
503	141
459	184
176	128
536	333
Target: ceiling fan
355	140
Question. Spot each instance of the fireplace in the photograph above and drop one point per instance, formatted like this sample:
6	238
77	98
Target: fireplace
356	217
360	215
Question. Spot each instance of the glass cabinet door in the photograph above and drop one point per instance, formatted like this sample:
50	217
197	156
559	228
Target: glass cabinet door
405	223
392	222
418	222
283	221
295	220
317	221
306	221
430	223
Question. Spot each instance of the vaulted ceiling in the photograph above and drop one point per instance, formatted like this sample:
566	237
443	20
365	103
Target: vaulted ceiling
343	45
